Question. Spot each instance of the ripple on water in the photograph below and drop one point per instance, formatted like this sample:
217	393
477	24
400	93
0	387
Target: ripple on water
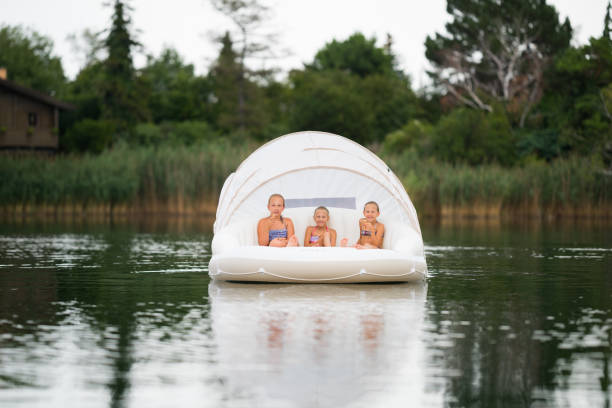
61	251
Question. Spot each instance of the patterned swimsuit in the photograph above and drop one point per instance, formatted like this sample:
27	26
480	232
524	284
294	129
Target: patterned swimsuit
277	233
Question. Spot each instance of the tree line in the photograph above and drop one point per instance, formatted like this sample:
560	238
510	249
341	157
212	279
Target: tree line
507	87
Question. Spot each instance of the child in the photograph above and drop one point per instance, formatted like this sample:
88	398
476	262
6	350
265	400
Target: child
371	232
320	234
276	230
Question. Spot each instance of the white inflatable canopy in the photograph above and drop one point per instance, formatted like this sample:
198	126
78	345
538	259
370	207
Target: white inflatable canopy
311	169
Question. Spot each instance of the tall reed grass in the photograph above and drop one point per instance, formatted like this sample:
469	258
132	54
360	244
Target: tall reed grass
574	186
174	178
121	176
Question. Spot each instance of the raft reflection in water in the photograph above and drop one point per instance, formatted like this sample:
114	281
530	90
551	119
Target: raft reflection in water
319	345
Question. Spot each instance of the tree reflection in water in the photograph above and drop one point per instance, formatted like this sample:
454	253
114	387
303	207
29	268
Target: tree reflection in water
123	318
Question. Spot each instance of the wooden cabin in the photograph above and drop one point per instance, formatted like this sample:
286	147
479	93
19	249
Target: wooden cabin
28	119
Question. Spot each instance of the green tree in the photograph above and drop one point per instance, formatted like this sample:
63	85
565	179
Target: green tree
249	42
607	22
362	109
29	60
474	137
330	101
357	55
124	101
413	134
239	103
176	93
497	51
577	107
88	135
344	92
86	93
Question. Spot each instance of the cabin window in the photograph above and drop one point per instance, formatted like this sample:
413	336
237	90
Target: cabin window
32	119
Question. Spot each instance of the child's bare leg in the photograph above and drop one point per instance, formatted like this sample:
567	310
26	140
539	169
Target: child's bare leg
292	241
278	242
365	246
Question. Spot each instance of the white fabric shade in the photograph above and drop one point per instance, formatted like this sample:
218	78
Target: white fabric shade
311	169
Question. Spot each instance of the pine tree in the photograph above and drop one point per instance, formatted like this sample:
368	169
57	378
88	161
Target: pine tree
121	101
607	23
226	76
250	42
240	102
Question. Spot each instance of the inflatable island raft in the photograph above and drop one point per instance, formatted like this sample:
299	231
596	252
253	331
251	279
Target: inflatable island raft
311	169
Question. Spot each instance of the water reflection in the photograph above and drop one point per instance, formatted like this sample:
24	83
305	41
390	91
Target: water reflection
521	324
78	320
120	317
319	345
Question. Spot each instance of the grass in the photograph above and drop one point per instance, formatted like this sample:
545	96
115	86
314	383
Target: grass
121	176
572	186
174	179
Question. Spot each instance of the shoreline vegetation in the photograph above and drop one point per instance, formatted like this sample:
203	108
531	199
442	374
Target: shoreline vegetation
514	133
186	181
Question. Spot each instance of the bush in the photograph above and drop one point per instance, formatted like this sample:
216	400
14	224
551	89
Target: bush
172	133
543	144
88	135
414	134
147	134
474	137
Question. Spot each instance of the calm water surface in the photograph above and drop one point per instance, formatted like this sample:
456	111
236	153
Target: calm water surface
125	316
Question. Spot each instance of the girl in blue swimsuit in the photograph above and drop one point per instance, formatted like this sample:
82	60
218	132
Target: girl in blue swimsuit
276	230
371	232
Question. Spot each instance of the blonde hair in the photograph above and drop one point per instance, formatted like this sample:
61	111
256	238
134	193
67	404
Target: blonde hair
371	202
321	208
276	195
282	198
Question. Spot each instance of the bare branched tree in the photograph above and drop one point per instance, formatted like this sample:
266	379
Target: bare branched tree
252	42
497	52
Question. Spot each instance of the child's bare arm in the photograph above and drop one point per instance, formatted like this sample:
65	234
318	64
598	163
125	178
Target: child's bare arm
262	233
332	237
378	236
364	238
290	228
307	237
291	238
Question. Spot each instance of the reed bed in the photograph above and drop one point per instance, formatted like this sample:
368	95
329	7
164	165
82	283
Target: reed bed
119	180
575	187
186	180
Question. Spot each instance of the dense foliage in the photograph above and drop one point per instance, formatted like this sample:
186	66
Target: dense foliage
167	173
509	90
121	175
496	51
29	60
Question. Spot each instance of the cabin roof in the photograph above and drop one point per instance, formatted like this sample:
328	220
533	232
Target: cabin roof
38	96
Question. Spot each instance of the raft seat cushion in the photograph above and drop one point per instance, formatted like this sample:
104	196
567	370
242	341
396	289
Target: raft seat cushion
344	221
398	236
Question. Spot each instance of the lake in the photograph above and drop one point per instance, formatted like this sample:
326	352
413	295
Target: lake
125	315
